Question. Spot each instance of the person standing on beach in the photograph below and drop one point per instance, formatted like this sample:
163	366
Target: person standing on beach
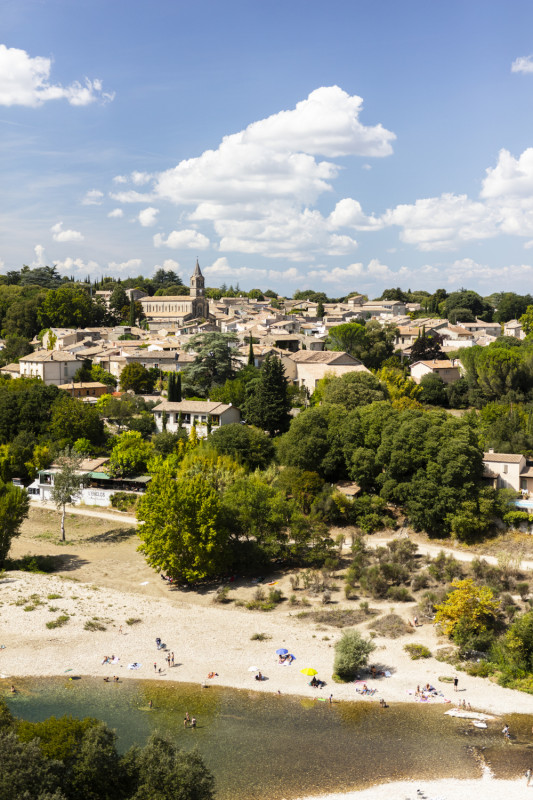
529	775
455	683
172	658
155	667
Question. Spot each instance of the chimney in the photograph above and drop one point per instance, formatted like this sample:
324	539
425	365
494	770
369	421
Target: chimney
491	449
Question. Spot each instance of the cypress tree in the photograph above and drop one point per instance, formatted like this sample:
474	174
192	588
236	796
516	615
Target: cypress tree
251	356
132	313
178	387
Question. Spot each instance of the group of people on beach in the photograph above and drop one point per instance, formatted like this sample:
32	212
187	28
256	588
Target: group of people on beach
189	722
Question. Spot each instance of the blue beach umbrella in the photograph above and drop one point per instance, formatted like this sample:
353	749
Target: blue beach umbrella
281	652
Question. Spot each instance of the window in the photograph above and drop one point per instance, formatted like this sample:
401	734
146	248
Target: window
523	484
505	469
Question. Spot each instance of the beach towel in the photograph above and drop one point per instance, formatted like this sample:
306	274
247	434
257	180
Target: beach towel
387	674
134	666
115	660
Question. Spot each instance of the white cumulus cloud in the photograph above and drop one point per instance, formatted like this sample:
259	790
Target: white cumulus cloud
93	198
59	235
116	213
71	266
25	81
132	266
522	64
222	269
185	238
148	217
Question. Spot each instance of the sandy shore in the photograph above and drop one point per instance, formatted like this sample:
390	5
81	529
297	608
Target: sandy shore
450	789
207	638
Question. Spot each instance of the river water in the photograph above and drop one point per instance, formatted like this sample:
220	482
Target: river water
261	746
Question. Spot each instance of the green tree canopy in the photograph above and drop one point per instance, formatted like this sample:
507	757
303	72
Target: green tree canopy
137	378
215	359
130	455
267	403
14	507
70	306
246	444
350	390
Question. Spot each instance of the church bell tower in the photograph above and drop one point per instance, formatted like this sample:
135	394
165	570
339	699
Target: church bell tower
197	282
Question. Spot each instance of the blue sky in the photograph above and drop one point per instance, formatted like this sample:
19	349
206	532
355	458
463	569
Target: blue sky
340	146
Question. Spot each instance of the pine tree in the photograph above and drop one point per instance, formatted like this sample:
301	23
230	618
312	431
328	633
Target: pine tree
267	404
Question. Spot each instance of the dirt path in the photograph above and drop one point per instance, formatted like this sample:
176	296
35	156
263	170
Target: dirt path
99	513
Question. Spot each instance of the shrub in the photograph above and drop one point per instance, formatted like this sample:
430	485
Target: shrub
417	651
523	589
94	625
59	622
420	581
221	595
133	621
53	596
259	637
351	653
28	563
391	626
123	501
399	593
480	669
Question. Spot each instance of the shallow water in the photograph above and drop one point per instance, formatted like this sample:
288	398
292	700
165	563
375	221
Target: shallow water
269	746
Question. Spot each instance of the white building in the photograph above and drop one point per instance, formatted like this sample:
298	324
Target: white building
200	413
51	366
97	489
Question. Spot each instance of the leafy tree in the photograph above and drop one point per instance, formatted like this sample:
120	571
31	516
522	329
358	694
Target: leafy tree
25	769
163	772
215	359
371	343
71	419
118	301
69	306
68	482
246	444
118	410
302	485
267	403
458	315
394	294
512	306
433	390
320	310
83	374
348	337
350	390
14	348
14	507
351	653
234	390
137	378
467	612
426	347
469	300
164	278
526	320
182	534
100	375
130	455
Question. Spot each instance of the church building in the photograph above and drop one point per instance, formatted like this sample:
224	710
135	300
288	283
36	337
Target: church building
178	309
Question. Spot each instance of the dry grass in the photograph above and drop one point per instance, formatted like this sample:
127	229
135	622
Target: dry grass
339	618
390	626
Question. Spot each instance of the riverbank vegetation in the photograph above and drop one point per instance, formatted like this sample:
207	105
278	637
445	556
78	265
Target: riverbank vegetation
71	759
